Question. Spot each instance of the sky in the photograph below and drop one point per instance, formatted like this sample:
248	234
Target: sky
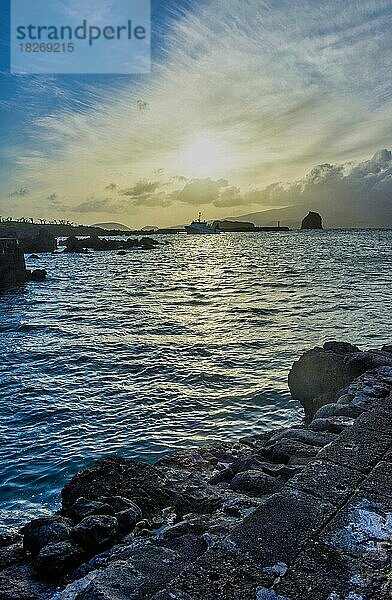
250	105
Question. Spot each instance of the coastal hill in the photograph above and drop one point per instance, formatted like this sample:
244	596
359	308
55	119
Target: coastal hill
64	230
112	226
347	215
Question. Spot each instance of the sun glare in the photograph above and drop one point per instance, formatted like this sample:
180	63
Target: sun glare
204	157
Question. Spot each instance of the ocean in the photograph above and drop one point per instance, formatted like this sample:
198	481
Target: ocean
160	350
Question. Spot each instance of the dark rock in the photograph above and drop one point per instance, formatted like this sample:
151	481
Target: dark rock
222	476
196	526
34	256
251	463
199	497
320	373
148	243
36	275
277	470
312	221
9	537
58	558
337	410
356	448
119	503
32	240
340	347
85	508
119	581
321	574
97	243
253	482
19	583
331	424
80	572
316	373
219	575
386	348
144	484
10	555
95	532
171	594
328	481
128	518
342	400
72	244
263	593
293	452
281	524
302	435
361	362
147	571
121	253
40	532
189	546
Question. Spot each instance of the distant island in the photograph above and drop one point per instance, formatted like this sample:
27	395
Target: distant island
112	226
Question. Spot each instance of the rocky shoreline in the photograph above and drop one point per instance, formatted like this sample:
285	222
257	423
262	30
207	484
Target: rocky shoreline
267	517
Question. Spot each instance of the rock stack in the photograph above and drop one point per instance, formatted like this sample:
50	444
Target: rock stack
312	221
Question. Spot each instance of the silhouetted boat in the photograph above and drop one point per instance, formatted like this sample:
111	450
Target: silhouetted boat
201	227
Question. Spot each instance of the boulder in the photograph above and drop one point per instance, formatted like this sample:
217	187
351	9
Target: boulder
331	424
145	572
312	221
337	410
36	275
302	435
10	555
40	532
58	558
19	582
85	508
253	482
95	532
320	373
143	484
293	452
119	503
9	537
128	518
72	244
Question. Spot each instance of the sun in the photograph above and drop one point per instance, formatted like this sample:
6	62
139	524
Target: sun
204	157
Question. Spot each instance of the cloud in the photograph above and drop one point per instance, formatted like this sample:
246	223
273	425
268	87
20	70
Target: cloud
277	86
98	205
349	194
230	196
200	191
141	188
20	193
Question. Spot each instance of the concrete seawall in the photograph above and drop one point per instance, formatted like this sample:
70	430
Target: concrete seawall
12	262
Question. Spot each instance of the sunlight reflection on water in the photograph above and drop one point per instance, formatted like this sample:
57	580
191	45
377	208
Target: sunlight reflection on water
154	351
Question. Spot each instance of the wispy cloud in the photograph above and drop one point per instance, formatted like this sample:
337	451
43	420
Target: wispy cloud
277	86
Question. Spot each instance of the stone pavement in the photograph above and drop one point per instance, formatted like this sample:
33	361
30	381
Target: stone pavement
326	536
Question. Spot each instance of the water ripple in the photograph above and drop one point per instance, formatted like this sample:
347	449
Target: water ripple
151	352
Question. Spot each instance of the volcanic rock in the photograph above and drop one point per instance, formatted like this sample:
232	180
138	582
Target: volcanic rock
40	532
312	221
